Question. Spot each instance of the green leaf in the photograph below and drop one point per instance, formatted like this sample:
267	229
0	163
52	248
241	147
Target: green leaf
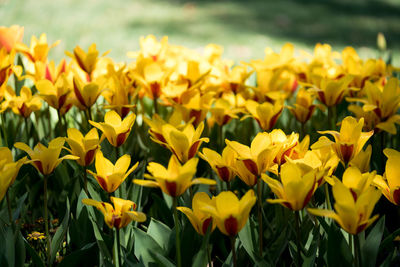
338	250
369	251
249	238
36	260
144	246
20	251
79	257
161	234
161	260
20	204
60	234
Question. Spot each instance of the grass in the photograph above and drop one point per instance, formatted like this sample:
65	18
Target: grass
244	28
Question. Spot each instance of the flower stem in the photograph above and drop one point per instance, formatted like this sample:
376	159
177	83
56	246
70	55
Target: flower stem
4	130
259	214
26	130
357	251
155	102
9	208
177	229
298	241
85	180
118	246
232	238
46	220
328	198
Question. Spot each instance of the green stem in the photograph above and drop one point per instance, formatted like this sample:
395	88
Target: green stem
332	117
26	130
259	214
9	208
228	185
85	180
155	102
351	243
118	247
221	138
89	110
177	229
232	238
3	127
327	196
302	129
298	241
46	220
116	154
357	251
209	255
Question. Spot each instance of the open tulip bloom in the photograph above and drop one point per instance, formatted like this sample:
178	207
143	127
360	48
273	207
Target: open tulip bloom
46	159
175	179
110	176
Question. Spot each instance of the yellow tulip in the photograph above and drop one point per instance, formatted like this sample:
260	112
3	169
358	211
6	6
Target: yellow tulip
288	145
9	37
184	143
175	179
303	109
349	141
86	61
8	170
46	159
324	160
356	181
198	218
390	182
296	187
224	166
115	130
230	213
362	160
38	50
56	94
86	93
331	92
266	114
383	102
22	105
352	215
84	147
259	157
119	215
110	176
244	174
195	106
222	112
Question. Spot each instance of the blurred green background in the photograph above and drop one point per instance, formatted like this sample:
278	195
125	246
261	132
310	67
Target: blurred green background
244	28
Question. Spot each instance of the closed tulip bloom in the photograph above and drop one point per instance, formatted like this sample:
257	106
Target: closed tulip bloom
352	215
184	143
120	215
390	182
8	170
362	160
331	92
46	159
174	180
10	36
86	61
115	130
224	166
84	147
349	141
259	157
230	213
266	114
303	109
198	218
56	94
356	181
86	92
296	187
222	112
110	176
